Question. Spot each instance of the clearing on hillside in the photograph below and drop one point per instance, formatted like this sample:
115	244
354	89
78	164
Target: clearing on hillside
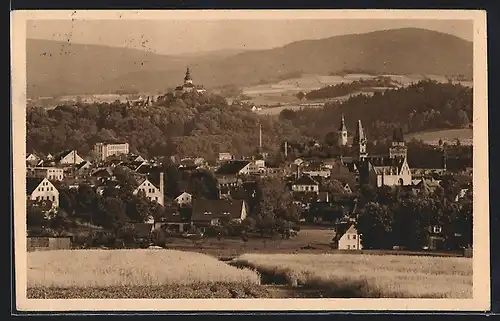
449	136
348	275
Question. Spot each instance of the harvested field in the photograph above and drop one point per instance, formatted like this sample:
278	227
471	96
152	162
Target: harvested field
344	275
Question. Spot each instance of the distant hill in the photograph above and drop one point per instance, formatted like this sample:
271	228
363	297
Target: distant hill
58	68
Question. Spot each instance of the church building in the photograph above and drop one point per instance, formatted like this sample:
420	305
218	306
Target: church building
188	85
377	170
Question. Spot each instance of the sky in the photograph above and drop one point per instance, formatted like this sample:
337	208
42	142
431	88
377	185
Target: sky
174	37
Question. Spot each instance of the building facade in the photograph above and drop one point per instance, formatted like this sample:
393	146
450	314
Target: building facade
104	150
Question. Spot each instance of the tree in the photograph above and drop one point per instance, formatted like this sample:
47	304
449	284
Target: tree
112	214
301	95
375	224
34	216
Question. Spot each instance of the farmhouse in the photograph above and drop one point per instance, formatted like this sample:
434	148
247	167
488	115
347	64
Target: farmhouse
214	212
41	189
32	159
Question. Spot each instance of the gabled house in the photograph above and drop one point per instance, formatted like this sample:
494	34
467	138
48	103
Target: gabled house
103	173
184	199
305	183
347	237
83	168
154	190
214	212
68	157
233	168
41	189
32	159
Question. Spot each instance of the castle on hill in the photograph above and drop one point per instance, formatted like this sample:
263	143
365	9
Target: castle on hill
188	85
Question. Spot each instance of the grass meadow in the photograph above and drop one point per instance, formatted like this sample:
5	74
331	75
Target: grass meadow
346	275
135	273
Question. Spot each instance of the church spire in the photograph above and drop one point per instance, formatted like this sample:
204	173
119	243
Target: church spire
360	134
342	133
187	78
342	127
360	141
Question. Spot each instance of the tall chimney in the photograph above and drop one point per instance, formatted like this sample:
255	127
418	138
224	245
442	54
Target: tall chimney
286	149
260	137
162	189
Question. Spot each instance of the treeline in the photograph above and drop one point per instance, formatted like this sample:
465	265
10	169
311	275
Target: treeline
425	105
192	125
392	217
343	89
204	125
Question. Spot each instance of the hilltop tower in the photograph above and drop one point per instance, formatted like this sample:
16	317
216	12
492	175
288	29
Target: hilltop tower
398	147
187	78
360	141
342	133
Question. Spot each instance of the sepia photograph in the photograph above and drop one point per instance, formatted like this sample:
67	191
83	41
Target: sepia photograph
210	156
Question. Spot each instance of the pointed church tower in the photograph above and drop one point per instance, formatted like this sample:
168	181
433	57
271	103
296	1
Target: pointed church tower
187	78
360	141
342	133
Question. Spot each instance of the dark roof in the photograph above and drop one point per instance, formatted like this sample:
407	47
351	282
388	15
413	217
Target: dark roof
216	208
340	229
80	166
103	172
232	167
305	180
62	154
188	85
32	183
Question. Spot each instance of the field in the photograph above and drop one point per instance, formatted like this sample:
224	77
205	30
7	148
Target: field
284	92
135	273
342	275
448	135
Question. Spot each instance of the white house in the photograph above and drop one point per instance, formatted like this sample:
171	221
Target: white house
349	240
184	199
154	192
51	173
41	189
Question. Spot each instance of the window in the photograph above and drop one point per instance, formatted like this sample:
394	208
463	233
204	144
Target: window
354	237
226	213
38	198
53	198
437	229
156	198
348	237
41	189
207	213
348	247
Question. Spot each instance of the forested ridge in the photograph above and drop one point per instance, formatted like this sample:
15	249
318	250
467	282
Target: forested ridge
204	125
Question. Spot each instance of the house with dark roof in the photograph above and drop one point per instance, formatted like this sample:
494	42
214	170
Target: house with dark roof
41	189
384	171
214	212
68	157
233	168
153	188
346	237
305	183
